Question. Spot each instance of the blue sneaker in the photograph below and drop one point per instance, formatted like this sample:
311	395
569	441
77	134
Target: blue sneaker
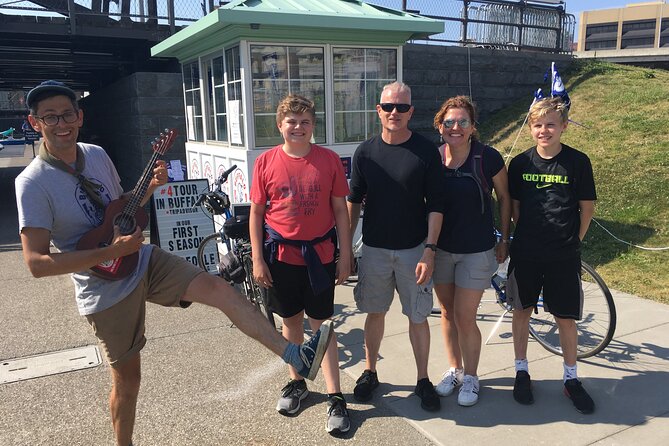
312	351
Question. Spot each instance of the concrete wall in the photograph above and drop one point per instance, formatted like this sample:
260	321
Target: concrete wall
498	78
126	116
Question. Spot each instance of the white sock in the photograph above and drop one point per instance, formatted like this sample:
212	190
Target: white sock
569	372
521	365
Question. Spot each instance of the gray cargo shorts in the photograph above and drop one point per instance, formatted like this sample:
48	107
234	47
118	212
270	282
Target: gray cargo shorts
383	271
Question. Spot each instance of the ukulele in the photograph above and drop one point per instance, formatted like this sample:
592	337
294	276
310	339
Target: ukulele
126	213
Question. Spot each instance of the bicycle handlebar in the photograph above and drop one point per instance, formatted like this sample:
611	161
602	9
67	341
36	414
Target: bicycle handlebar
224	176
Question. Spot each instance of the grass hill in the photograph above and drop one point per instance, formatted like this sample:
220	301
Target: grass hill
624	112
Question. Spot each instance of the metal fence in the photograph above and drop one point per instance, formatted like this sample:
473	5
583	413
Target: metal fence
164	12
503	24
499	24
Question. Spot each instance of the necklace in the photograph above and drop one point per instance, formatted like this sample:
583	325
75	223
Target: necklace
460	163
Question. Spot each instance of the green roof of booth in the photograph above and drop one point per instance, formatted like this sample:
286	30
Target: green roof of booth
307	21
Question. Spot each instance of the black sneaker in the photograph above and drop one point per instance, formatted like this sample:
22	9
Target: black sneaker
522	388
429	400
313	350
338	420
367	382
291	396
574	390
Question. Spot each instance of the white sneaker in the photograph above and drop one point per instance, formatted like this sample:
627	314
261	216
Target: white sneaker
469	393
449	381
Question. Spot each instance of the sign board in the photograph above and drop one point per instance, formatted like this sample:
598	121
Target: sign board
181	225
31	136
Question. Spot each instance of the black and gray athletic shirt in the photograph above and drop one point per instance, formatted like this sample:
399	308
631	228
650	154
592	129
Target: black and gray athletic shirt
401	184
549	191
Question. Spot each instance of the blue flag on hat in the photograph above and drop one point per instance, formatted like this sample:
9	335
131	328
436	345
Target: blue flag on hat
557	87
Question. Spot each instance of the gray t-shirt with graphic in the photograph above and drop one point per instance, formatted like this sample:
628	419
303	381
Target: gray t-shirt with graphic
52	199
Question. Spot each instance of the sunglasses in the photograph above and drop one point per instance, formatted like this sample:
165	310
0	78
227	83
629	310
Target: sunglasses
401	108
463	123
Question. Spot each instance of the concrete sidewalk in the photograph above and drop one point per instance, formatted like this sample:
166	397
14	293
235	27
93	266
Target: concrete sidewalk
207	384
629	381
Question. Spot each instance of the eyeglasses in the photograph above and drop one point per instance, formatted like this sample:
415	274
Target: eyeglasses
463	123
67	117
401	108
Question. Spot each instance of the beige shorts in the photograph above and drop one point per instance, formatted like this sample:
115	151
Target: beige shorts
120	328
472	271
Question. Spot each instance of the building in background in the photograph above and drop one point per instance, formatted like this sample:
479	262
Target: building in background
637	26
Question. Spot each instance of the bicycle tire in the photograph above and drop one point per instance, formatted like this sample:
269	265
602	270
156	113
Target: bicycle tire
256	294
596	327
208	245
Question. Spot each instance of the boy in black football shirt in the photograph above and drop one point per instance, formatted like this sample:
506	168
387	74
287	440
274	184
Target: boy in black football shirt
553	198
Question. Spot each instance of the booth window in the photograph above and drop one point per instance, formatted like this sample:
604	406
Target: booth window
217	128
281	70
359	76
235	106
194	118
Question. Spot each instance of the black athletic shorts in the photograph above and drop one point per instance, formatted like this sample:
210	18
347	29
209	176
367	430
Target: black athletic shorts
291	292
560	281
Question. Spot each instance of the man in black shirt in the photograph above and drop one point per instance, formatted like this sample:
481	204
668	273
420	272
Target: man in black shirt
399	175
553	200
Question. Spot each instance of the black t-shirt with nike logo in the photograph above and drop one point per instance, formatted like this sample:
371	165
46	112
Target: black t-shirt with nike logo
549	191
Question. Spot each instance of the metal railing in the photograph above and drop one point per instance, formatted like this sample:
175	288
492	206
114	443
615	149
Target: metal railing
504	24
175	13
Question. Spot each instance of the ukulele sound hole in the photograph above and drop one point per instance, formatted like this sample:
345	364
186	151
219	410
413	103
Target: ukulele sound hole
125	223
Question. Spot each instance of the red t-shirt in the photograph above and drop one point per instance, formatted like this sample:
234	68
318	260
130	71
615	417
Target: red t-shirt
299	191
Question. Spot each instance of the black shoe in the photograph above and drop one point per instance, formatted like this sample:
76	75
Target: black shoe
338	420
367	382
522	388
429	400
574	390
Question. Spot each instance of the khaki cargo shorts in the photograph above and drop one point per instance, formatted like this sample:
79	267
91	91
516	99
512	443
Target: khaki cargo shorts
120	328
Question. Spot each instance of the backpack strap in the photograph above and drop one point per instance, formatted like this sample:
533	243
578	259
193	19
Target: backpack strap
477	167
477	174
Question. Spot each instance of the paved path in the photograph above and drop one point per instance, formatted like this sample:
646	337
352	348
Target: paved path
206	384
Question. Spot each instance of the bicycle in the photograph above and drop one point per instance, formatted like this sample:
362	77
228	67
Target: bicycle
595	329
227	252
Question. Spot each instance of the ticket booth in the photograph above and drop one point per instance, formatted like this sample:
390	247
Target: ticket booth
241	60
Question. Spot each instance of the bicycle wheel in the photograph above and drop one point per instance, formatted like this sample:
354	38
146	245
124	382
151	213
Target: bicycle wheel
256	294
596	327
208	252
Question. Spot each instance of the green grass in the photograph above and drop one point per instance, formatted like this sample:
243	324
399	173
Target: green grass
625	111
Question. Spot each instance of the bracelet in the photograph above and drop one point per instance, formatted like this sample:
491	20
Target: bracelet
431	246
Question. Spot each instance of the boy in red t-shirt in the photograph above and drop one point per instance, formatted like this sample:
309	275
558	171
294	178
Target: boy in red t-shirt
298	197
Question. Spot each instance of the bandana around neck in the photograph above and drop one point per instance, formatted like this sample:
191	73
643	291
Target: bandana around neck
91	188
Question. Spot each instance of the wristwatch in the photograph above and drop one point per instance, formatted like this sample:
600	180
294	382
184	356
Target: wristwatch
431	246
